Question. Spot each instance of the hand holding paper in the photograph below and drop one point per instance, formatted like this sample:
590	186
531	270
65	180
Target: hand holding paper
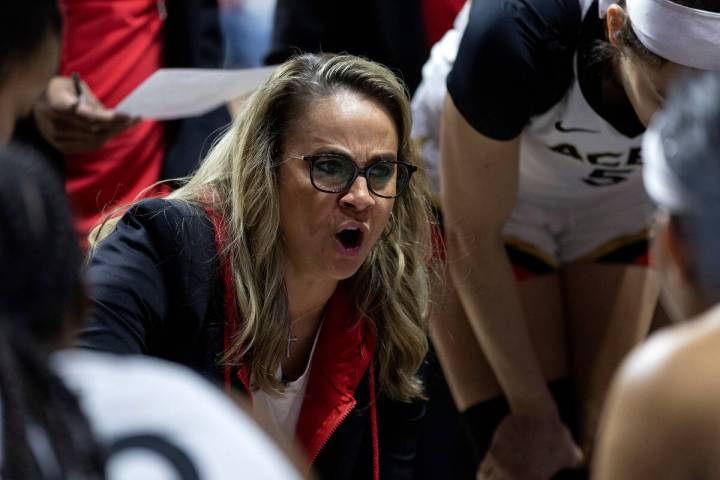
73	120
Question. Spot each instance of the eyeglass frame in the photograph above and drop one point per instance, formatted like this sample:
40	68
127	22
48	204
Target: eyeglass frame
358	171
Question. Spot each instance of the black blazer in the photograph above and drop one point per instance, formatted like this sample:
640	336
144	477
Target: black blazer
156	290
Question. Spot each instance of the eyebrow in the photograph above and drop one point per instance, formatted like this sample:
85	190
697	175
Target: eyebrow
388	157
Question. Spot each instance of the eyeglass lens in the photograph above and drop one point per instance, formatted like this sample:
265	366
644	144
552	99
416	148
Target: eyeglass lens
335	173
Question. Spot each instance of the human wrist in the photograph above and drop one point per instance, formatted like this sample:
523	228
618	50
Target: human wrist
536	403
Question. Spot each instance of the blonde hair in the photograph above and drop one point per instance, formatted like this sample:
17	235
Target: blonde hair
239	180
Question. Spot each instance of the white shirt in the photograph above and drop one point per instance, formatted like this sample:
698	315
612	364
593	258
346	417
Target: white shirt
281	412
126	397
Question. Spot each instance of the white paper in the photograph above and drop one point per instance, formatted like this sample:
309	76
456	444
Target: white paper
172	93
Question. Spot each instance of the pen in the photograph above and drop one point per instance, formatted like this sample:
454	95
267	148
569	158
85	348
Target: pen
78	86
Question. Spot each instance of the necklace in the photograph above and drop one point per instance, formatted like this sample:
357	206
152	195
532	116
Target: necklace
292	338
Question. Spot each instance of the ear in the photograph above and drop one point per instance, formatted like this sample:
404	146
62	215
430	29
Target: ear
615	22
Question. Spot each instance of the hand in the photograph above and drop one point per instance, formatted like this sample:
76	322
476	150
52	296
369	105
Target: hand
529	448
75	124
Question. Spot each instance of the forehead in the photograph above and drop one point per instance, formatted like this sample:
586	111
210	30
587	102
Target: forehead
346	119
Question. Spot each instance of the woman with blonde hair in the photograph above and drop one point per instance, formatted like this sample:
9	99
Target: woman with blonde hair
293	265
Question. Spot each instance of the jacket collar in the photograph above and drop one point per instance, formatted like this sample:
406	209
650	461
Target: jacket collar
345	350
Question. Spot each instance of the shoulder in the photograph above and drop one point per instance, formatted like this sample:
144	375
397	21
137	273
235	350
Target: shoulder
514	61
174	404
669	385
676	366
664	401
165	226
163	211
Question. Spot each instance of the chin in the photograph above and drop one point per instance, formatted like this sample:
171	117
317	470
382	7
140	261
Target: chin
346	271
344	268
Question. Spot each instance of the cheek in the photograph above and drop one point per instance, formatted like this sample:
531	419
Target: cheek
644	105
383	214
304	212
643	98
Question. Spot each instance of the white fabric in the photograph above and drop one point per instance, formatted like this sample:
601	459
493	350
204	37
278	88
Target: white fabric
686	36
660	182
603	6
427	103
125	395
283	411
568	205
590	191
568	232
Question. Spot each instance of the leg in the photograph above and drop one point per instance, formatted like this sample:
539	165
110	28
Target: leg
468	373
469	376
609	308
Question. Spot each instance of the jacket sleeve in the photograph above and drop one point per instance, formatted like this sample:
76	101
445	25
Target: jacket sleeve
399	428
150	280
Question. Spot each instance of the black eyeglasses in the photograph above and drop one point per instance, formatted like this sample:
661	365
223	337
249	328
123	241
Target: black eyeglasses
334	173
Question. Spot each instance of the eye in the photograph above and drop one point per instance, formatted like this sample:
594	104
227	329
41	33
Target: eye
330	165
383	170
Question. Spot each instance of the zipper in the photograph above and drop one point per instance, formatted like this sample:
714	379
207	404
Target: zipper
335	427
162	9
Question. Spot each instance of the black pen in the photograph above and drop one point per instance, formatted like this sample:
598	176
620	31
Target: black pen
78	86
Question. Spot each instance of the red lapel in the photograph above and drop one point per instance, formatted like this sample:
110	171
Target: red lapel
344	352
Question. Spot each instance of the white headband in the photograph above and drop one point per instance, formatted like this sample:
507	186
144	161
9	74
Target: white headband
683	35
661	184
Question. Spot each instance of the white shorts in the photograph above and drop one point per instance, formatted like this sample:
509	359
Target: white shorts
579	231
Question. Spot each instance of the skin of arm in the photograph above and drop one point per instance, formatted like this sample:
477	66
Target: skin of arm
479	179
661	417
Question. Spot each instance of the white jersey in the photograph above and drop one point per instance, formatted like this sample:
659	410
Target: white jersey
571	154
567	153
162	421
571	160
428	99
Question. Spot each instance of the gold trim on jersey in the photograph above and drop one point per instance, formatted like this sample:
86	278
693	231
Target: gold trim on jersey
615	244
530	249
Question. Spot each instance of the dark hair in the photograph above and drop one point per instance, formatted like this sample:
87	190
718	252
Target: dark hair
24	26
631	43
689	128
40	286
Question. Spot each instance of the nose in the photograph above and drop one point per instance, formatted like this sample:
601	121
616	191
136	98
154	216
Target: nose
358	196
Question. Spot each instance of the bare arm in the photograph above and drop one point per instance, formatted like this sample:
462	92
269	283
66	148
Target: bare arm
661	418
480	178
469	376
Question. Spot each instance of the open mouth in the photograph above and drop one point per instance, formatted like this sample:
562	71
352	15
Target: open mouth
350	238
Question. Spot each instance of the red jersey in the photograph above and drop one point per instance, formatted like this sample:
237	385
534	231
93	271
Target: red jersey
114	45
